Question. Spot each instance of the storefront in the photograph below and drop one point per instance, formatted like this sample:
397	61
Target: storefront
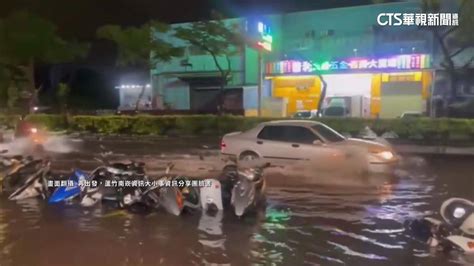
384	87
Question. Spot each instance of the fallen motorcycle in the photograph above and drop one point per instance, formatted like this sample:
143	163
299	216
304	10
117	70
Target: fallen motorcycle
106	182
35	184
455	231
72	188
169	192
16	171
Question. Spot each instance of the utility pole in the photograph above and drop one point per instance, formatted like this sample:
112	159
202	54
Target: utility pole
259	89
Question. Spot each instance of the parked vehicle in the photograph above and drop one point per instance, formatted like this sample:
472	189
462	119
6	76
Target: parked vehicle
335	111
455	231
305	114
248	191
281	142
211	197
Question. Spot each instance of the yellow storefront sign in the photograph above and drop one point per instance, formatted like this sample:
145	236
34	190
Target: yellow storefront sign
302	92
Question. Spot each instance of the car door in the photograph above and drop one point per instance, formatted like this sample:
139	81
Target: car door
320	154
273	144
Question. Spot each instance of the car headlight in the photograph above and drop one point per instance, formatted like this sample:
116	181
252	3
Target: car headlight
387	155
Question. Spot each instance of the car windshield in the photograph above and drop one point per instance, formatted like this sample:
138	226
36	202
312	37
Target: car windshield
334	111
302	114
328	133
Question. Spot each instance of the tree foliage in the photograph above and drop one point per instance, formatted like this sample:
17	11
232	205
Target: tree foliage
62	95
215	37
453	40
218	39
140	47
135	44
26	40
13	95
25	37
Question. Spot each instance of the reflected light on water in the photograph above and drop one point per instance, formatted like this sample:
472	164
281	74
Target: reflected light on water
302	224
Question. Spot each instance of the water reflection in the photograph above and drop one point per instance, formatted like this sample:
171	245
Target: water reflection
315	225
211	226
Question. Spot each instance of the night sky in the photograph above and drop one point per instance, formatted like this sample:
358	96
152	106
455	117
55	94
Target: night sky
80	18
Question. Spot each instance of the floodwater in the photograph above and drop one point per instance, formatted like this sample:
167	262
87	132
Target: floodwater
303	224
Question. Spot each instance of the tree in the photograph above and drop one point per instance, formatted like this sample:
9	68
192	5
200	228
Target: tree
453	40
316	71
324	86
26	40
140	47
62	95
217	38
13	96
3	88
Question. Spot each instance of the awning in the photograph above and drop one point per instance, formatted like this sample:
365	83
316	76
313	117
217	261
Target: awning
198	77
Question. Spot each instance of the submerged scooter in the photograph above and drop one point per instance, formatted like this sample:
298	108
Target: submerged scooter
35	185
170	192
16	171
71	190
456	231
105	182
247	186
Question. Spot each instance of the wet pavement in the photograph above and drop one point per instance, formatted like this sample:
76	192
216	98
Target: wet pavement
304	223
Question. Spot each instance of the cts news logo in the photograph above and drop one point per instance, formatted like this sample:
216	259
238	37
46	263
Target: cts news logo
418	19
390	19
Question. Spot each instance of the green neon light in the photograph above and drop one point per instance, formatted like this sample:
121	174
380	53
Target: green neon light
268	38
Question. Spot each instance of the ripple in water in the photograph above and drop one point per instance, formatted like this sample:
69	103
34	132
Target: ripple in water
301	225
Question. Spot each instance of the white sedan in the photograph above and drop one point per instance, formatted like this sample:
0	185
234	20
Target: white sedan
283	142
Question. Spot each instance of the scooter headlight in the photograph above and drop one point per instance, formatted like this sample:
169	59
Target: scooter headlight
34	130
459	212
455	211
248	173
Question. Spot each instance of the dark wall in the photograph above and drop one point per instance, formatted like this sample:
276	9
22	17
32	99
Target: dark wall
206	100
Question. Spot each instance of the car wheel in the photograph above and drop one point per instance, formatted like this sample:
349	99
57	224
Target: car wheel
248	156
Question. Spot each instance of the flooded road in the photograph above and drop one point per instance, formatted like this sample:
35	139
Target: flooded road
303	224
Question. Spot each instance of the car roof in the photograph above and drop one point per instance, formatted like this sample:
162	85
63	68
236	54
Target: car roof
291	123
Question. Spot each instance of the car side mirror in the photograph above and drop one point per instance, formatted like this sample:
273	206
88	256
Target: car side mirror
318	142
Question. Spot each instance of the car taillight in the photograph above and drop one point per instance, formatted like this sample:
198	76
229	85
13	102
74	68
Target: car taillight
223	145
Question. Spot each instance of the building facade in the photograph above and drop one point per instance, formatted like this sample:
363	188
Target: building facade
370	70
